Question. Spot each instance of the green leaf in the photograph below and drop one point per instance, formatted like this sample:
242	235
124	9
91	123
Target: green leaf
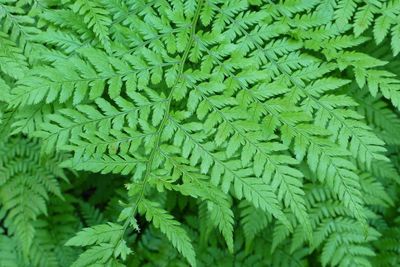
168	226
99	234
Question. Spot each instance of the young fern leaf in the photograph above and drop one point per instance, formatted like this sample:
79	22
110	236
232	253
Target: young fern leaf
195	185
96	17
13	62
103	233
168	226
105	245
21	172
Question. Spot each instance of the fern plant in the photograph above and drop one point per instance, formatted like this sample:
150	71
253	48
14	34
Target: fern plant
199	133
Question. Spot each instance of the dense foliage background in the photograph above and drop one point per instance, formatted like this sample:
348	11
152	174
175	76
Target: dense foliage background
199	132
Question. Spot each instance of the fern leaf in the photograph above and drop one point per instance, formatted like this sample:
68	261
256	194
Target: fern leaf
13	62
171	228
96	17
98	234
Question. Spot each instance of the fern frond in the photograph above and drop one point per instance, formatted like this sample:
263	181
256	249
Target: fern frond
199	132
13	62
25	189
251	220
96	17
168	226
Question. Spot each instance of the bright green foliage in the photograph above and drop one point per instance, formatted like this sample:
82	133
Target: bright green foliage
199	133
